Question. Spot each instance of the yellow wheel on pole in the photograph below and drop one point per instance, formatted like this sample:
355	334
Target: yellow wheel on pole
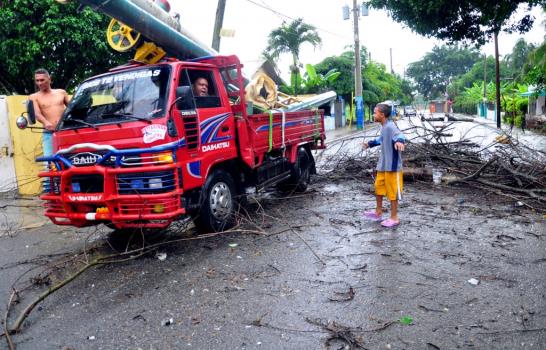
121	37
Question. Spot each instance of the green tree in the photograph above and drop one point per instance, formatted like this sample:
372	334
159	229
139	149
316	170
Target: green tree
514	103
43	33
535	67
460	20
288	38
475	75
515	61
312	81
433	73
468	100
344	64
377	84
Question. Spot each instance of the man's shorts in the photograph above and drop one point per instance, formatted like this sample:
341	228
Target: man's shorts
390	184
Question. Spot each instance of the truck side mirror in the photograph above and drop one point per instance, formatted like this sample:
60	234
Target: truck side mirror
21	122
30	111
184	98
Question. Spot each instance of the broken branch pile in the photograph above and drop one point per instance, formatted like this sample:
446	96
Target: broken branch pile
504	166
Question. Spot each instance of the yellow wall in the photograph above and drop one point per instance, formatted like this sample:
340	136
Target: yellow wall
27	145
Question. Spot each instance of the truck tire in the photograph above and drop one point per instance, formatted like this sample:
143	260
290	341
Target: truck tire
302	170
218	203
301	174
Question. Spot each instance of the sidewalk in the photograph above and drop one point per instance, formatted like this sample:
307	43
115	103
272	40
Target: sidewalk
529	137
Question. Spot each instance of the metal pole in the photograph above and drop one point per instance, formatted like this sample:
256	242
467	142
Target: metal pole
392	71
497	79
218	24
484	75
358	71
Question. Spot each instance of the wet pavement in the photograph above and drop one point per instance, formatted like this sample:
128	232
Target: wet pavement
463	270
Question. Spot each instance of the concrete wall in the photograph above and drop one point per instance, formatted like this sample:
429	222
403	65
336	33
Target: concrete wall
8	180
27	145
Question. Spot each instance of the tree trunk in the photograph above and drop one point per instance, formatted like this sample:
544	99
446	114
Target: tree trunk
295	71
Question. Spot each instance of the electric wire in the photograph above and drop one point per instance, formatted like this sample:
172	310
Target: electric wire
280	14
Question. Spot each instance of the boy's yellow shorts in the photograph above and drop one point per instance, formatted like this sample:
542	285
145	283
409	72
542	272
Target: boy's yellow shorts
390	184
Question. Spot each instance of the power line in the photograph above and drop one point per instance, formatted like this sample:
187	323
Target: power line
266	7
270	9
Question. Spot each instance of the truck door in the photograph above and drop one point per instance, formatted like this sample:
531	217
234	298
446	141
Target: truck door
214	139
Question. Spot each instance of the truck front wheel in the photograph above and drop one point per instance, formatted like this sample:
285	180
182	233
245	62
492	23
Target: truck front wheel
218	205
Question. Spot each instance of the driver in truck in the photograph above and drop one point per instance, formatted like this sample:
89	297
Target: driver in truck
200	87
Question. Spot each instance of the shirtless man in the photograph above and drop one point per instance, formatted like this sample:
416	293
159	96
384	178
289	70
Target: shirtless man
200	87
49	104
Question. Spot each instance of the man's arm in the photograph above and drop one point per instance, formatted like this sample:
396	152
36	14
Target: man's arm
66	98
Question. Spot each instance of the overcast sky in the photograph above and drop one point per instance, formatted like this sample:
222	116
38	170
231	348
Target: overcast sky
253	20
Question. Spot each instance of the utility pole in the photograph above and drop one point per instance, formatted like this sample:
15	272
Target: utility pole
218	24
484	101
497	78
392	71
358	71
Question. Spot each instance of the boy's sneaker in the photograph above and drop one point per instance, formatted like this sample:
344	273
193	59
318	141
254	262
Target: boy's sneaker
390	223
372	215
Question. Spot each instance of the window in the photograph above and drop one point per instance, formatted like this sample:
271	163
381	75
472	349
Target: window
119	97
203	87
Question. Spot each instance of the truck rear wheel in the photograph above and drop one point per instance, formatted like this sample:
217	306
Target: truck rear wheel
301	174
218	206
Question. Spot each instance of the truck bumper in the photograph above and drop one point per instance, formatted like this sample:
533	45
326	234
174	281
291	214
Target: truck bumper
147	197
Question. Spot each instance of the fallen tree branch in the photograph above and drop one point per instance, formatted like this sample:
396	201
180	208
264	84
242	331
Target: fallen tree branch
6	330
476	174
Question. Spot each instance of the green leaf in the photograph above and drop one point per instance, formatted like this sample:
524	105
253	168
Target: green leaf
311	72
332	76
406	320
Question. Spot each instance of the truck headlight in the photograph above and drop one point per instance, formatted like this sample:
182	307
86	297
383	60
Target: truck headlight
155	183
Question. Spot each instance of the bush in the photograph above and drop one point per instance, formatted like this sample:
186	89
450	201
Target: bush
465	108
519	118
508	118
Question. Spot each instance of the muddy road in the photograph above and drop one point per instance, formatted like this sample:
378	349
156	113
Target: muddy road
463	270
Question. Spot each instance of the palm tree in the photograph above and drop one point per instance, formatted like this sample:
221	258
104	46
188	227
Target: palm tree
287	39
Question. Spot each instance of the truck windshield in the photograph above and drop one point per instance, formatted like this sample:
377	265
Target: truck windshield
138	94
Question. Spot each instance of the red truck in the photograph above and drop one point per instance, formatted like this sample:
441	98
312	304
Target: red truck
136	149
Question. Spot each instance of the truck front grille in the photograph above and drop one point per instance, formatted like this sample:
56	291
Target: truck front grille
93	183
146	183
